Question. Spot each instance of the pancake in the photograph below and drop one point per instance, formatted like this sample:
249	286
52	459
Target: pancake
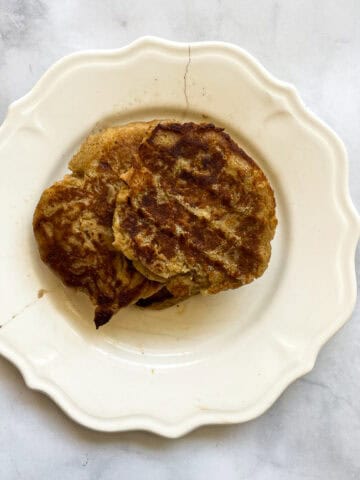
73	224
194	211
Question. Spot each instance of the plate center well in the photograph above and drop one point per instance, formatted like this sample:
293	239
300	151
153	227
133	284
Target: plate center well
192	329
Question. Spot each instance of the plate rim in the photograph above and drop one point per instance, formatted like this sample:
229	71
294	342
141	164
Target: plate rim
15	112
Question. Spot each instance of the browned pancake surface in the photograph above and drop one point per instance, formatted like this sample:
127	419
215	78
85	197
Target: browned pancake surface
73	224
196	211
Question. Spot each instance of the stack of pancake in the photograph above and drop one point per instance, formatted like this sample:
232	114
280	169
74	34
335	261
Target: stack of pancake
154	213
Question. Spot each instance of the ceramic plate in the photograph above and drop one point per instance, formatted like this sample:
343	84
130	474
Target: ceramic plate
217	359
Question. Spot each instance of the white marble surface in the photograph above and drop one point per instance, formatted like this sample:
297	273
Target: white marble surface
313	430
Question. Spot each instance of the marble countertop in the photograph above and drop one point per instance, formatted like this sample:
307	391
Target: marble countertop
313	431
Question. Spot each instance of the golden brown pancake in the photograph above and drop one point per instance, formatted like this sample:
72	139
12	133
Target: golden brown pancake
73	223
195	211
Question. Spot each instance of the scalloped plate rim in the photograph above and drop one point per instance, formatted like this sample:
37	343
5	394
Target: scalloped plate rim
155	424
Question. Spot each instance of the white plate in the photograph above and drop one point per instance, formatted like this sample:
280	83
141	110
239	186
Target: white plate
219	359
